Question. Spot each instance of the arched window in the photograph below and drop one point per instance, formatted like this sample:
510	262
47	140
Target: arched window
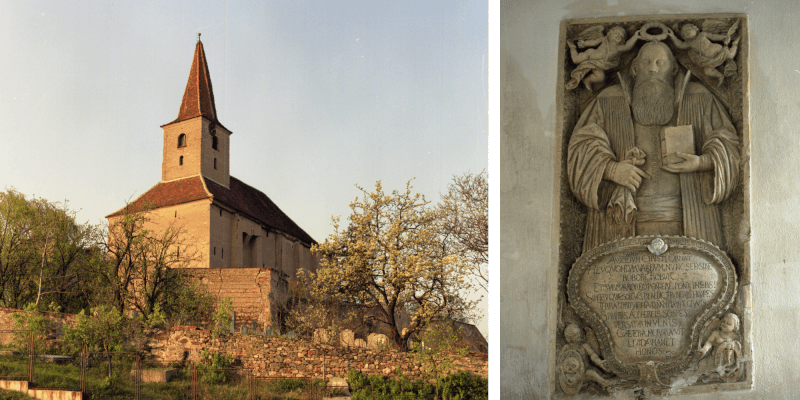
180	161
214	142
182	140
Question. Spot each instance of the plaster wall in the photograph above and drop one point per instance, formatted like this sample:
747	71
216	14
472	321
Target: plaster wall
529	51
192	219
198	154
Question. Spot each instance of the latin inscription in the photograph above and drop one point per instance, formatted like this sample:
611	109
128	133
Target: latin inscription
648	302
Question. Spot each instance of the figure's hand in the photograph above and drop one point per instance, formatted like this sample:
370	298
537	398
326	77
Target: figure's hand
626	174
670	33
637	35
602	364
581	43
685	163
571	44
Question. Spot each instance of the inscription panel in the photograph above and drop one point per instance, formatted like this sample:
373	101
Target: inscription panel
648	302
648	299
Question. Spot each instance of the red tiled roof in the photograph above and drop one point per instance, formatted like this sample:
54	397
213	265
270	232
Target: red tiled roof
198	98
166	194
256	205
240	197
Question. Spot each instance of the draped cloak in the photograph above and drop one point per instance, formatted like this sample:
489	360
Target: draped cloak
605	131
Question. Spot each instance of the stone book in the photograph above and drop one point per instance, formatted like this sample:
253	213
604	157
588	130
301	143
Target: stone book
677	139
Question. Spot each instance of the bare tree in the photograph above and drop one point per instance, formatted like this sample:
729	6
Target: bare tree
464	222
141	261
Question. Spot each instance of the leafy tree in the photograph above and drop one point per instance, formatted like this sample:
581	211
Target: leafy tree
43	253
390	259
27	323
103	328
437	352
464	223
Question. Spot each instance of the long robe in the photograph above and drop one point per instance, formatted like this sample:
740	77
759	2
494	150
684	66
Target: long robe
605	132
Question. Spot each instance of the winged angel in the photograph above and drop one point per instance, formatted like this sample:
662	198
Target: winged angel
595	61
706	54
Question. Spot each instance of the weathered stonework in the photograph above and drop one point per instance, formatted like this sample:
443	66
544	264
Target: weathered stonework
292	357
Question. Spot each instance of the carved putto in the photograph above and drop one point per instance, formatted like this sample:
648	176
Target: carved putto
725	361
573	362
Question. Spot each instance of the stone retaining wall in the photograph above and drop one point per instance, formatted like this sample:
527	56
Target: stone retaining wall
55	322
292	357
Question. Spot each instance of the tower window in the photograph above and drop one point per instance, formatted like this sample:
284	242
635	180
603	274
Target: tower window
215	163
182	140
214	142
180	161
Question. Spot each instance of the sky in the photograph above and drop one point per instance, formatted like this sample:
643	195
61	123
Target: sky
321	96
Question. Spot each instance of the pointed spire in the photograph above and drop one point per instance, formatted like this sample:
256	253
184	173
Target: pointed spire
198	99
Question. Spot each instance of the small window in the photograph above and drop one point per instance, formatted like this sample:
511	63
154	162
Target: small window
220	212
214	142
223	252
176	214
215	251
180	161
182	140
215	163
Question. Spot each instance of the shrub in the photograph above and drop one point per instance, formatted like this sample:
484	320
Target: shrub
222	316
461	386
212	367
29	322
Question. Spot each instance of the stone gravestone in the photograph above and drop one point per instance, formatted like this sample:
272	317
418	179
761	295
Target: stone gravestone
269	331
346	338
321	335
377	341
654	260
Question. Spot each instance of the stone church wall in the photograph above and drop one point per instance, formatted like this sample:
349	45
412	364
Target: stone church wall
248	288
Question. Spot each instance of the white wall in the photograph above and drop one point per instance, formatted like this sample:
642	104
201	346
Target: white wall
529	50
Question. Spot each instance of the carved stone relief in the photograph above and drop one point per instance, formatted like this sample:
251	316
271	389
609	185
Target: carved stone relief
653	265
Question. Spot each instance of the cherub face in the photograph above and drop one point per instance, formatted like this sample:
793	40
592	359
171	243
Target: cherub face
727	324
572	334
689	31
616	36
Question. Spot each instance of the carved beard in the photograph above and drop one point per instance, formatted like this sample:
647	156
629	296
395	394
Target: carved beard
653	102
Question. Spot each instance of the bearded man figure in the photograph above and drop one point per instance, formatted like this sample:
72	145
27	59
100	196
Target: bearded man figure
615	164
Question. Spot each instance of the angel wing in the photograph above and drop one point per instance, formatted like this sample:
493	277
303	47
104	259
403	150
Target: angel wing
719	27
591	33
733	27
592	340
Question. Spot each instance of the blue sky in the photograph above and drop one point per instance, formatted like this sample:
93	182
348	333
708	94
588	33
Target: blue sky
320	96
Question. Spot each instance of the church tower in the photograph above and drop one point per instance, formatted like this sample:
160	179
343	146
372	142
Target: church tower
196	143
